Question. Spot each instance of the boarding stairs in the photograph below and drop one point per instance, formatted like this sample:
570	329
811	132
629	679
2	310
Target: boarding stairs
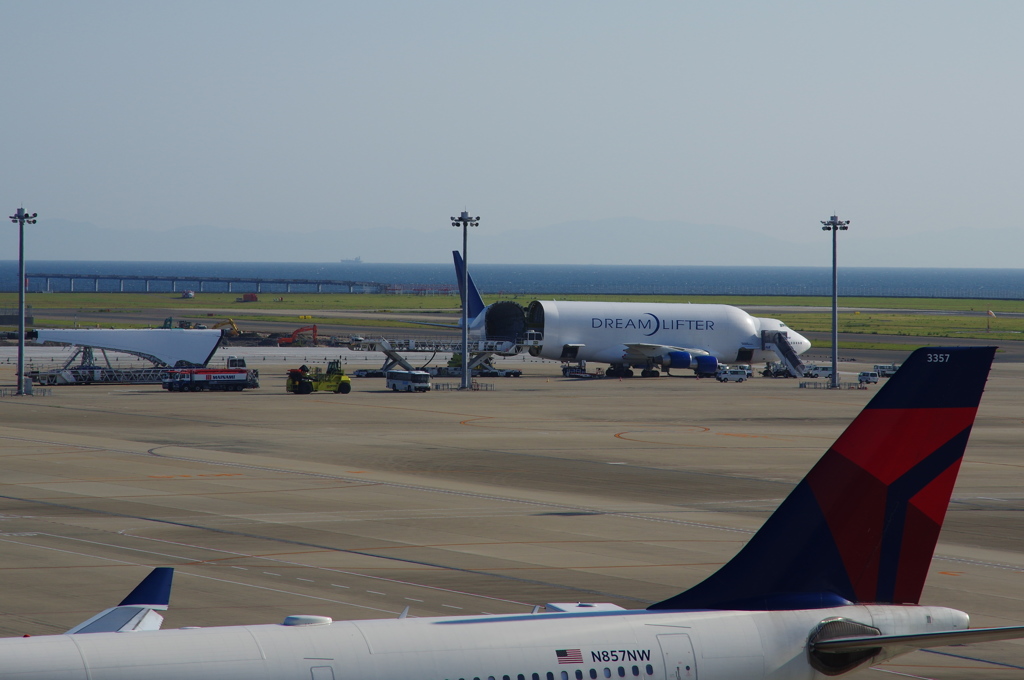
89	370
776	341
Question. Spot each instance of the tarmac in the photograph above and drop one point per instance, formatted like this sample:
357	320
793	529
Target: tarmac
539	489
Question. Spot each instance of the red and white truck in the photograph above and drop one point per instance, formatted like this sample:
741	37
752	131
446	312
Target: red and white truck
234	378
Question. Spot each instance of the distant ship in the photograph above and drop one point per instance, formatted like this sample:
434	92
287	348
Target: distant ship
357	260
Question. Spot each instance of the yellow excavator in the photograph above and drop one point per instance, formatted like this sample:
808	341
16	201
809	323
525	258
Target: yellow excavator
232	330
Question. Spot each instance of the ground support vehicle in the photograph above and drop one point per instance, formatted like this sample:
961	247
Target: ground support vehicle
812	371
497	372
235	378
776	369
302	380
408	381
867	377
886	370
732	375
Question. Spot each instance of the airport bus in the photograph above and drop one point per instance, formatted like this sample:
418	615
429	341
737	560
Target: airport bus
408	381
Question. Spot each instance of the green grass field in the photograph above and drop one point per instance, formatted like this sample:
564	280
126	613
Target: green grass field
370	302
967	318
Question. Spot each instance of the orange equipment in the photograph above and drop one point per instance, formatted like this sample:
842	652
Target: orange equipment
294	337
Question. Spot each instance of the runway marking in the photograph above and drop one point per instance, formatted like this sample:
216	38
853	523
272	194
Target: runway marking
326	569
985	462
905	675
211	474
752	436
348	486
971	658
209	578
993	565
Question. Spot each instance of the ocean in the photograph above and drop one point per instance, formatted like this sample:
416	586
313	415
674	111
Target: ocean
548	279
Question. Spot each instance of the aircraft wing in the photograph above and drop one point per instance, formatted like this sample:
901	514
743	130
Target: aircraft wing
638	351
137	611
920	640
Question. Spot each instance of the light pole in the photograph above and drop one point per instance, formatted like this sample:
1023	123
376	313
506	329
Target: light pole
835	225
22	218
466	221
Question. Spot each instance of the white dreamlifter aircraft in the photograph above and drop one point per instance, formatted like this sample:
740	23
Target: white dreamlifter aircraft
830	582
631	335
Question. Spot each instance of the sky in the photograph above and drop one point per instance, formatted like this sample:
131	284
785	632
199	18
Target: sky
301	117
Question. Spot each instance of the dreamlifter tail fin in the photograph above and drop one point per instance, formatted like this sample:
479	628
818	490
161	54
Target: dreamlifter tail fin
862	525
475	301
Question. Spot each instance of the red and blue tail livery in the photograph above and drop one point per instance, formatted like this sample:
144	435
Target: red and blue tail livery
862	525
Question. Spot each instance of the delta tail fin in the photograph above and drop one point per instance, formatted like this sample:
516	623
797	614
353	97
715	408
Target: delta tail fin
474	300
862	525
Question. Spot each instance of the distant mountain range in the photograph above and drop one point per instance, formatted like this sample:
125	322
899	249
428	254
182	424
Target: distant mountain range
609	241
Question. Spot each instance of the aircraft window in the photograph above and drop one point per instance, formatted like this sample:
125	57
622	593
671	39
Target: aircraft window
607	672
536	677
505	677
593	674
622	672
565	675
551	676
636	671
520	677
579	674
650	669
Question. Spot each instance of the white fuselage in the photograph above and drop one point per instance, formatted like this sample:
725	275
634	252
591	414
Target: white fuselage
604	329
641	645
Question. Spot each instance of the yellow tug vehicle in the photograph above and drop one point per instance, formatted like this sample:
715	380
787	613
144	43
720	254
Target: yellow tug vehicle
304	380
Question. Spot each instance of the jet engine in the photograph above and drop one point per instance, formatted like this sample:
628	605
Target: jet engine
702	364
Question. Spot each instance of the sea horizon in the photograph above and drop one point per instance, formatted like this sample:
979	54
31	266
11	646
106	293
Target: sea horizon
523	279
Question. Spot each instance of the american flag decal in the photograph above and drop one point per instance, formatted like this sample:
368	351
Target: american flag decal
569	655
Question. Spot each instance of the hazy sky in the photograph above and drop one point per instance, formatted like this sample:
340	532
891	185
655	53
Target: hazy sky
905	117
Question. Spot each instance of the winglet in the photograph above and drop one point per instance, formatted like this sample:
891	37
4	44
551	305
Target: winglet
137	611
863	524
154	590
475	302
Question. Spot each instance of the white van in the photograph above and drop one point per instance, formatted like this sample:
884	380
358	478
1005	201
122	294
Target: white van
815	371
732	375
408	381
867	377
